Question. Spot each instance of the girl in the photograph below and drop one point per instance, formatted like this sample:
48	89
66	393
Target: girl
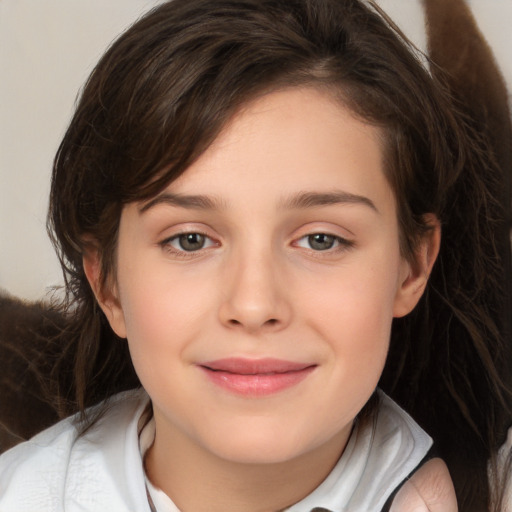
251	194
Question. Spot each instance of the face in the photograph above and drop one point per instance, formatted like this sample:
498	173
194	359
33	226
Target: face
257	291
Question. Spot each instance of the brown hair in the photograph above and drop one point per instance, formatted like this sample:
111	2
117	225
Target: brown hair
163	92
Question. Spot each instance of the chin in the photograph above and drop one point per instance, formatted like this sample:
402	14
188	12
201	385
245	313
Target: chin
271	445
252	454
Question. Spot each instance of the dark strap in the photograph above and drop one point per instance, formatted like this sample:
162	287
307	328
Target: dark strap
431	454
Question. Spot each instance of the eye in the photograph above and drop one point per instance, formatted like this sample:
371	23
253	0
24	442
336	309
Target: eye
189	242
323	242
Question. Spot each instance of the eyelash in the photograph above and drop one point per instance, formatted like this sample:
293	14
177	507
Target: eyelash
340	244
183	253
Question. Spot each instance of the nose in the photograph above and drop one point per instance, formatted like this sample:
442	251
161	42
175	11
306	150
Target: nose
253	298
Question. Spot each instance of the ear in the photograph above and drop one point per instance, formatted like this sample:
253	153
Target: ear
106	294
414	275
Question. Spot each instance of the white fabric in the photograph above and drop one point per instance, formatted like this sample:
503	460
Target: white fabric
161	502
375	461
102	470
57	471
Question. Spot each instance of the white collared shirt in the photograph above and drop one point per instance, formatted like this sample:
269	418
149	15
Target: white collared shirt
376	460
102	470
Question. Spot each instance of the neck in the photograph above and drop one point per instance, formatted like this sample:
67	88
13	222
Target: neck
199	480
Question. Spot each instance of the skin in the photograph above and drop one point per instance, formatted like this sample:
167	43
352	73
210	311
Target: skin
291	165
430	489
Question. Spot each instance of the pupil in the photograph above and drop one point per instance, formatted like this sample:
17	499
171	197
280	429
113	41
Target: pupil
321	242
191	241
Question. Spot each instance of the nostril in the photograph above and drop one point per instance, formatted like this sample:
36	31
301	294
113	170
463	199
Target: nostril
269	323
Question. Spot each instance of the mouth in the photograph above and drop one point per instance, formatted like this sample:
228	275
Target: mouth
256	377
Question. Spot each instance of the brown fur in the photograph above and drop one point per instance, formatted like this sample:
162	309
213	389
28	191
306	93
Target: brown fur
26	331
471	73
458	47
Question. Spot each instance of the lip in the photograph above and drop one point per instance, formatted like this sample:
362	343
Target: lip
255	377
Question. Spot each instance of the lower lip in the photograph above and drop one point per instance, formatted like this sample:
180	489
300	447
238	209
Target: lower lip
258	385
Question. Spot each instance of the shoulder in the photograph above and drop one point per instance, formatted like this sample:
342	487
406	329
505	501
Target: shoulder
430	489
396	446
503	474
428	486
58	467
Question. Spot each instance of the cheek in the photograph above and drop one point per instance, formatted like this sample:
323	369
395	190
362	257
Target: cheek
161	311
354	313
363	298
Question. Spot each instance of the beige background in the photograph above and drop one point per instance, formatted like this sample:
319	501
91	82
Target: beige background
47	49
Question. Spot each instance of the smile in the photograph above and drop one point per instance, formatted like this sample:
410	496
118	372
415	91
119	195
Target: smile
255	377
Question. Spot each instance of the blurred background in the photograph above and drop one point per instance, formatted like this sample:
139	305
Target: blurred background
47	50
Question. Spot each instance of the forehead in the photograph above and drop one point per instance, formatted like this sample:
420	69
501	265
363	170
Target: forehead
296	139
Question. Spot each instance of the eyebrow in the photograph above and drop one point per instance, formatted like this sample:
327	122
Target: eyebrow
302	200
193	202
316	199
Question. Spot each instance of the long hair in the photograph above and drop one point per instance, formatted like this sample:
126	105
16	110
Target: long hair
163	92
482	306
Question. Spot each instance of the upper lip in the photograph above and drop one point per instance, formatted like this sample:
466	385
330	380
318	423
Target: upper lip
243	366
